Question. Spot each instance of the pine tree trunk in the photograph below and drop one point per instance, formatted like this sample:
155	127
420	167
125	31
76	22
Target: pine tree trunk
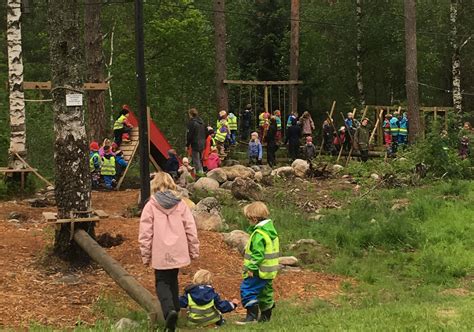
294	53
15	81
95	69
360	82
221	66
456	59
411	70
70	147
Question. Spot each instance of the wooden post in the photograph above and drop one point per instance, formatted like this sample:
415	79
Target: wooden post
220	54
266	98
376	126
136	291
148	125
294	52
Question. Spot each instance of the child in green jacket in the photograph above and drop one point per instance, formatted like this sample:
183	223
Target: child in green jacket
260	264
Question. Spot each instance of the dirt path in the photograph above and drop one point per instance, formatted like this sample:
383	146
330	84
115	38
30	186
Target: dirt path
32	292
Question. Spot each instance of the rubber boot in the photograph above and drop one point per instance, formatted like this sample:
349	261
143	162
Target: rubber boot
252	315
171	320
266	315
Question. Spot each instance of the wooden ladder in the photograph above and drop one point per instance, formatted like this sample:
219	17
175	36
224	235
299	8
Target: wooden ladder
129	149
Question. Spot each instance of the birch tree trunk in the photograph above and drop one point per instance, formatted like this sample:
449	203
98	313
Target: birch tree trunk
360	82
15	82
456	59
294	52
70	147
220	44
411	70
95	65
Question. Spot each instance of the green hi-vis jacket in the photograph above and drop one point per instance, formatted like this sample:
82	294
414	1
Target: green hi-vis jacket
262	250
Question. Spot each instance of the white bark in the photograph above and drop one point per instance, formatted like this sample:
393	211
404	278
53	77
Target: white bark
109	72
15	80
456	59
360	82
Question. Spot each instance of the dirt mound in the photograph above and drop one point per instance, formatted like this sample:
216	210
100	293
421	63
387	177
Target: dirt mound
60	298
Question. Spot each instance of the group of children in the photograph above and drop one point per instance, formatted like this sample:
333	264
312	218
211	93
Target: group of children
106	163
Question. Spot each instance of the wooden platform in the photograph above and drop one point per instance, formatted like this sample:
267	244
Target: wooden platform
22	171
97	215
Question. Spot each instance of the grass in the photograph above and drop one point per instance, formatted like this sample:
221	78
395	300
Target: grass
406	263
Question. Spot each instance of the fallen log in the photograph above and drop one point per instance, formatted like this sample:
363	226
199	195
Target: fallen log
133	288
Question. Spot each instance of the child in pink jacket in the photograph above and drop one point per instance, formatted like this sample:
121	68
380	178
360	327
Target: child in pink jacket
213	161
168	241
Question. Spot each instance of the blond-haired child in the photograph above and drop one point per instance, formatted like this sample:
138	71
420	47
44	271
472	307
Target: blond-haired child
260	264
205	307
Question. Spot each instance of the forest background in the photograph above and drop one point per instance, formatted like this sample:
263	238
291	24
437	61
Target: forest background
179	46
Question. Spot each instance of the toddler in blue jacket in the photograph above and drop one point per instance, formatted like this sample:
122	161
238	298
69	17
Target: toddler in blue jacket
205	307
255	149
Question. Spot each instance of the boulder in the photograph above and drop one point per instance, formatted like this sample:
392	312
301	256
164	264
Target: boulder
217	174
190	187
227	185
285	171
258	176
206	184
189	202
126	324
301	167
183	192
208	221
237	239
230	162
247	189
267	180
266	170
337	168
255	168
208	204
238	171
288	260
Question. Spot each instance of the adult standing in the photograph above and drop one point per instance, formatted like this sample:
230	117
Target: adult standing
293	135
307	124
272	146
196	139
246	122
168	241
361	140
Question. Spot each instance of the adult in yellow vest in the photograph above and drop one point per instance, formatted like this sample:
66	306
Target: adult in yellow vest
260	264
121	127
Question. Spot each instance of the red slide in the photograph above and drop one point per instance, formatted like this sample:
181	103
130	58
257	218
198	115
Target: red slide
159	145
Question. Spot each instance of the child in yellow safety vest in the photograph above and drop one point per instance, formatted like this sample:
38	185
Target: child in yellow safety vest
260	264
233	126
108	168
95	163
204	304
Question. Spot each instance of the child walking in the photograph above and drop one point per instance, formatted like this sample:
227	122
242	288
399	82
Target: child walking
260	264
94	164
204	304
255	150
168	241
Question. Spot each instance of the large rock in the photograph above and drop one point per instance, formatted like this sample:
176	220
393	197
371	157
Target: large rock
288	260
217	174
206	184
189	202
247	189
208	221
285	172
266	170
237	239
230	162
227	185
238	171
300	167
208	204
337	168
258	176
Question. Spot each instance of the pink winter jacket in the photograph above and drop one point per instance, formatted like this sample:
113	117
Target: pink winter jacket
167	237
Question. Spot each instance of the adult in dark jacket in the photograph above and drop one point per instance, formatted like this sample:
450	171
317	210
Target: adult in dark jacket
361	140
272	146
293	135
196	139
246	122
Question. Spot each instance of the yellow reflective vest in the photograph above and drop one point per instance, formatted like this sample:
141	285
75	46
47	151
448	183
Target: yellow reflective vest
108	166
202	314
118	124
91	161
268	269
232	123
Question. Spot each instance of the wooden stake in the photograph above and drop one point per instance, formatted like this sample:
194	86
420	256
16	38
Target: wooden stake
376	126
266	98
333	107
33	170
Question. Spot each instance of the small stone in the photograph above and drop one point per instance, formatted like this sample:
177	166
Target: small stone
303	242
258	176
337	168
291	269
316	217
288	260
346	176
17	215
14	221
285	171
300	167
49	188
126	324
68	279
375	176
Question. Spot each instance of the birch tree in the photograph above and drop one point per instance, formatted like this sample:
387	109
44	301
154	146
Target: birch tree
456	59
360	82
411	75
72	187
15	82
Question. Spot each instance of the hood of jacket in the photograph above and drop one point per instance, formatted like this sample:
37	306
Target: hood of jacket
198	120
165	201
201	294
267	226
108	156
231	115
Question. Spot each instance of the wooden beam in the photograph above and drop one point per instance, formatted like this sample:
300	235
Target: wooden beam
33	170
47	86
128	283
240	82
